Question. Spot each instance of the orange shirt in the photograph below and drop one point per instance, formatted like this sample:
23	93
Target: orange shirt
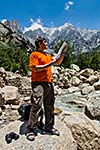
39	58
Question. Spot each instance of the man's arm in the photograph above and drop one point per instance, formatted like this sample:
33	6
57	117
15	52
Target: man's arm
43	67
53	62
57	61
60	59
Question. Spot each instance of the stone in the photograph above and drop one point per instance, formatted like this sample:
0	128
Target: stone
92	79
85	132
75	67
93	105
44	142
87	72
87	90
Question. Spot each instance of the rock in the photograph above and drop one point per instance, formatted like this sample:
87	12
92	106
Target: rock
75	67
72	72
87	72
83	79
83	85
93	106
11	94
2	77
87	90
2	70
84	131
97	85
44	142
73	89
75	81
77	131
92	79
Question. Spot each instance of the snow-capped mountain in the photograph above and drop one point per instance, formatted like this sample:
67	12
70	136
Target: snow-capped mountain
8	36
13	25
84	40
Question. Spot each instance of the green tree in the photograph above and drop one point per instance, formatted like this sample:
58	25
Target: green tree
14	59
83	60
95	60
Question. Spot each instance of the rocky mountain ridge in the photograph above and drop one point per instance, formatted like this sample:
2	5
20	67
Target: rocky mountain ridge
14	37
84	40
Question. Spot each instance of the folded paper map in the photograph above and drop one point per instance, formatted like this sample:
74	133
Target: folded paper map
62	49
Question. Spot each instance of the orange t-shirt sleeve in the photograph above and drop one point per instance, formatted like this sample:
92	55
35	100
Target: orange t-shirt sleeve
33	60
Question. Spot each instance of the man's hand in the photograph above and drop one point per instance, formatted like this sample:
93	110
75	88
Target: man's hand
61	51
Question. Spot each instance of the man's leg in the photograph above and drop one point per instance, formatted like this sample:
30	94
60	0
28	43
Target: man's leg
49	105
49	100
33	117
36	100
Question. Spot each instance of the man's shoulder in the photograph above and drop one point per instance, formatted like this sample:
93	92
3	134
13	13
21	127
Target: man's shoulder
35	53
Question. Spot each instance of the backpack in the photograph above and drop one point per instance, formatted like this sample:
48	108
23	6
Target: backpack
24	110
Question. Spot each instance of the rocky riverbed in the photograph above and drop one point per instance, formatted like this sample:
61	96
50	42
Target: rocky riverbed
77	110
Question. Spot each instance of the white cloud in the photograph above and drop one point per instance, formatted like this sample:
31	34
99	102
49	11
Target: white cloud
68	4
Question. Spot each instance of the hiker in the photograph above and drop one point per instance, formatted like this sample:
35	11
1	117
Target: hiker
42	87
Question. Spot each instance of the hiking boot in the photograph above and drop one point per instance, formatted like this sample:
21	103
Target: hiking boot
52	131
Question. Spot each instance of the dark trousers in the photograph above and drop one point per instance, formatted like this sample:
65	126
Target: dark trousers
43	94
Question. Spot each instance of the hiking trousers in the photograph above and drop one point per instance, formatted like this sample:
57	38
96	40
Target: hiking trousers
43	94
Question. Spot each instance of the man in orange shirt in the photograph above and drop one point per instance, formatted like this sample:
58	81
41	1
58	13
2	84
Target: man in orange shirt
43	91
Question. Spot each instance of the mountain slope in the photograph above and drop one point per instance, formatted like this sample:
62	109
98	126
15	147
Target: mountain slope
84	40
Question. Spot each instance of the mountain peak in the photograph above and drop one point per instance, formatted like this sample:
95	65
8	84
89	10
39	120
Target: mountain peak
33	27
4	20
13	25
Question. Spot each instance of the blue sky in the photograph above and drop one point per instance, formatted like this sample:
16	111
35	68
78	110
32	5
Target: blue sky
80	13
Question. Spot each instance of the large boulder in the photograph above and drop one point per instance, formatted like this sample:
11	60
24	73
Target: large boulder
75	67
93	105
44	142
11	94
92	79
97	85
87	90
87	72
85	132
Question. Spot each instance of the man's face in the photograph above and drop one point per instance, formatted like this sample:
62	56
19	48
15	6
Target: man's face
43	45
